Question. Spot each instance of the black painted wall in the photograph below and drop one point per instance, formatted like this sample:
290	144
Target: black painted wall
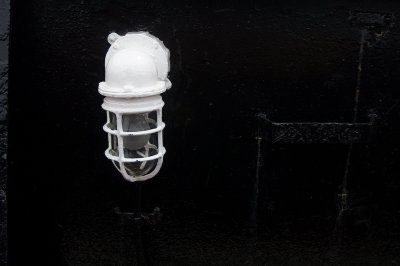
230	63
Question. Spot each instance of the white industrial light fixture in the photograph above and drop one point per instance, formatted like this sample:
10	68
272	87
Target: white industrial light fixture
136	68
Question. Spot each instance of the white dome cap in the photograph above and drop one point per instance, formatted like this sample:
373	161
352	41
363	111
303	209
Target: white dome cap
136	65
129	69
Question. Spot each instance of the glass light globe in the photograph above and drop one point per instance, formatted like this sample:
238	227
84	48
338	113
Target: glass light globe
135	123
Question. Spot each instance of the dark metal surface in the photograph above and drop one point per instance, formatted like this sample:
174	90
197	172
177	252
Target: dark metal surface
225	200
318	133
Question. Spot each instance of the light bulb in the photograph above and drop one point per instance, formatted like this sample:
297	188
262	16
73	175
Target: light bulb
135	123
